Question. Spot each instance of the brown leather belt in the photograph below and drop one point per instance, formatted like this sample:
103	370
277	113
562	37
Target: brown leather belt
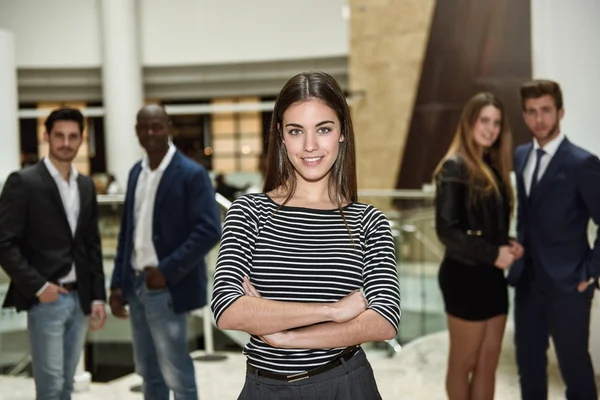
345	356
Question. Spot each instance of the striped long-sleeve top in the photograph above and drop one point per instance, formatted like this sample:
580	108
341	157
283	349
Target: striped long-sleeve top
300	254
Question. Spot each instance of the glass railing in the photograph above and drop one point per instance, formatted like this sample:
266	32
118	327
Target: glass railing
108	352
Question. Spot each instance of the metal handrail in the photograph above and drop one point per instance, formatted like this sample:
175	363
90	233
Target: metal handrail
403	194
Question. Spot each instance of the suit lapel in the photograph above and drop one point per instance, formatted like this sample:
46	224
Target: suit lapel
131	188
554	167
167	179
520	168
85	197
53	189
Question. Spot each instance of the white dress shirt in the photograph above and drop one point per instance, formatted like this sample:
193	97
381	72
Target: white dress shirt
69	194
550	149
144	253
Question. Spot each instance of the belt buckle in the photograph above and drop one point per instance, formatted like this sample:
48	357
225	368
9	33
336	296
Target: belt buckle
297	377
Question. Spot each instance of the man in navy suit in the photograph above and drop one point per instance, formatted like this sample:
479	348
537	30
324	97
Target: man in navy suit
558	186
170	222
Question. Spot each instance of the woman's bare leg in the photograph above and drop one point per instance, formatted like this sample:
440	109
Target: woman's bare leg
484	377
466	338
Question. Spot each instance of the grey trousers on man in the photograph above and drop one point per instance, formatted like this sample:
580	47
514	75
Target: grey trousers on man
353	380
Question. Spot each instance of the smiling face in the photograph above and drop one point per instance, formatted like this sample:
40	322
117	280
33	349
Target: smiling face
311	134
487	126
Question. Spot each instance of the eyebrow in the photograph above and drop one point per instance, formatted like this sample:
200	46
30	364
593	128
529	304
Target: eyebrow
317	125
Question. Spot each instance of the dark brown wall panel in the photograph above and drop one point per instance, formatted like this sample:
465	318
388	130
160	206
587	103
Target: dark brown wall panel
473	46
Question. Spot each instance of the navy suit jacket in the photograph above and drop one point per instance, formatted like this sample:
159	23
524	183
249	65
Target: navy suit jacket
557	218
186	226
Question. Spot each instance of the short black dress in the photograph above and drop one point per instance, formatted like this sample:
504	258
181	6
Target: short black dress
475	292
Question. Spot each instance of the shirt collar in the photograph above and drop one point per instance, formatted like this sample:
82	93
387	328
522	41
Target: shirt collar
165	161
552	146
56	174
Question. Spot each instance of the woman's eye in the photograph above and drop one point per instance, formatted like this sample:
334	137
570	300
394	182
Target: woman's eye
324	130
295	132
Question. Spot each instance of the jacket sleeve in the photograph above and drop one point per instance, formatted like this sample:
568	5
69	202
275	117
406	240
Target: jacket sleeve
587	184
450	216
205	218
13	220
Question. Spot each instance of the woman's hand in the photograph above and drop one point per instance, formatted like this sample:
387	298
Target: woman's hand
505	257
249	289
274	339
278	340
350	307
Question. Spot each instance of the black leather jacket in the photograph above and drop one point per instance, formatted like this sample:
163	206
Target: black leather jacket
471	231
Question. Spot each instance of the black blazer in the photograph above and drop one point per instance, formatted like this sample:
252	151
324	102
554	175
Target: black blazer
36	243
471	232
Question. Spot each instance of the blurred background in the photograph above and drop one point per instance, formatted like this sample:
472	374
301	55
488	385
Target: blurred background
407	68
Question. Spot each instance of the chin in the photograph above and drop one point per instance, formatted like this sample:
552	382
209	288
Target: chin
312	177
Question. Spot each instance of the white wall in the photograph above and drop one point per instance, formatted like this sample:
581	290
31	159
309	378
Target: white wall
566	48
229	31
53	34
66	33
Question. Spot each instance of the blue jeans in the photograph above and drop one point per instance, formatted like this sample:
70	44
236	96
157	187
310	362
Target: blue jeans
56	335
160	344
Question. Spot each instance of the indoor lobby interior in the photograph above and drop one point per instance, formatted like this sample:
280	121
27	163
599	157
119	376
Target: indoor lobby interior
407	67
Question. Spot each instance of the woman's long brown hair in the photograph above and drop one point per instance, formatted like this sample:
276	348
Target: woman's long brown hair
280	172
481	178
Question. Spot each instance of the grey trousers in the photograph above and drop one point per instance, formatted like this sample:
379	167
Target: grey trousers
353	380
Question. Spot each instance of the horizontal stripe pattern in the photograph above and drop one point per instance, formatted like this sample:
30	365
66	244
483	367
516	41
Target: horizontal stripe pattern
298	254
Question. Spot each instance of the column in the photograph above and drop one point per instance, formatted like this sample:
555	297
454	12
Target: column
388	41
9	106
565	49
122	84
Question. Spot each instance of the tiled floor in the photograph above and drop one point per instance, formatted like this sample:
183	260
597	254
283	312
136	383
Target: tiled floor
416	373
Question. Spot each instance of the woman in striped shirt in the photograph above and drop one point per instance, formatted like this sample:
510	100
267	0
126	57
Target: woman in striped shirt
293	260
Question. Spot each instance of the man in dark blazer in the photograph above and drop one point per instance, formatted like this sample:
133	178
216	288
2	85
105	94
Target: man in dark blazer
558	185
50	249
170	222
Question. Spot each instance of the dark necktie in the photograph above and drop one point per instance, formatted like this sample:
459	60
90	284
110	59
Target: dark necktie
536	170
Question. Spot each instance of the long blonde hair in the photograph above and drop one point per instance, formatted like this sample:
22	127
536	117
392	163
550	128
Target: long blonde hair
481	179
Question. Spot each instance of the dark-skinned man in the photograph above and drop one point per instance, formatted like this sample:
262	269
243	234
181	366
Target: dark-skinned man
170	222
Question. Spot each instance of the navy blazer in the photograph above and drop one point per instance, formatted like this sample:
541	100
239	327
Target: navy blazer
567	196
186	226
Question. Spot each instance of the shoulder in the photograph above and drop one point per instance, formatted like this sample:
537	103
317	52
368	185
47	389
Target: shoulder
248	208
28	173
26	176
453	167
186	162
371	217
250	203
522	149
579	154
583	164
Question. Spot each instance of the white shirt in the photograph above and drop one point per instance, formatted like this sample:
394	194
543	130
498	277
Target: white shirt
550	149
69	194
144	253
